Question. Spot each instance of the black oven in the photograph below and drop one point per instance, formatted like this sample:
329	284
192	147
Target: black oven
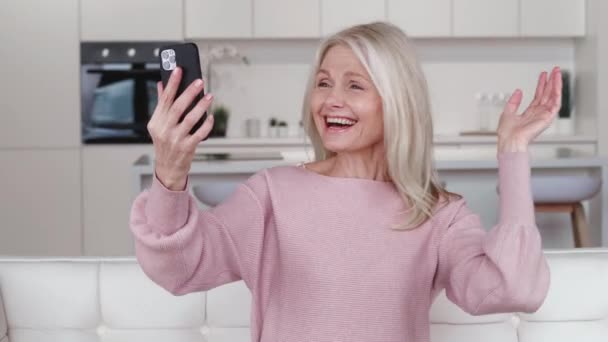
118	90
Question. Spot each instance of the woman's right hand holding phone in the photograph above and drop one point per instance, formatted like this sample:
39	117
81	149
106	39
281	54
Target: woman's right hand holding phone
174	147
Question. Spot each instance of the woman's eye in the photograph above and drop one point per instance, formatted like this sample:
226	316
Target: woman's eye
356	86
322	84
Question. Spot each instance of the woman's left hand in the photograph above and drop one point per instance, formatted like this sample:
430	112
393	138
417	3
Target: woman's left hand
515	131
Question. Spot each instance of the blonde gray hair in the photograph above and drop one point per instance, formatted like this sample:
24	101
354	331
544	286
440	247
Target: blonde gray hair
389	58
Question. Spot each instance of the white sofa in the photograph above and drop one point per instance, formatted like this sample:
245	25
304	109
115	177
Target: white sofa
110	299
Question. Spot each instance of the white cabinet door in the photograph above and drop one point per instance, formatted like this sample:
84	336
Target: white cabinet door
41	202
39	86
486	18
218	18
130	20
339	14
285	19
108	196
422	18
553	18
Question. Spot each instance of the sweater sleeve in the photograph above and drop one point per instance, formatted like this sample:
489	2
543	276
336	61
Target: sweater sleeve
184	249
503	270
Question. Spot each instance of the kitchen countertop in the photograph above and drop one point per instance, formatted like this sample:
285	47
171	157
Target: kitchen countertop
143	165
541	163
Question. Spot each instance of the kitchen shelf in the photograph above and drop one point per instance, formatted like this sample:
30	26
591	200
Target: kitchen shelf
491	139
439	140
237	142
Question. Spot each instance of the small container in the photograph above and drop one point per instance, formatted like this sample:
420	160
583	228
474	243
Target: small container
273	129
301	131
499	100
253	128
483	106
283	129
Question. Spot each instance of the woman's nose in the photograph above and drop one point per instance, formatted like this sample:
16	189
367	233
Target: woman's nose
335	98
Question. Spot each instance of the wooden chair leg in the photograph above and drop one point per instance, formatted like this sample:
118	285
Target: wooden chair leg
580	230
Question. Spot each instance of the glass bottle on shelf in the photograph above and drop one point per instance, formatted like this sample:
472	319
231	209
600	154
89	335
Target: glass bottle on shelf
499	100
483	111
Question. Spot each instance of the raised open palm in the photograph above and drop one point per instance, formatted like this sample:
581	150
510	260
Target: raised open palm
538	116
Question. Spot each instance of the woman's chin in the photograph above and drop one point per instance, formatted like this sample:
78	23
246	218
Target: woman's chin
337	146
342	144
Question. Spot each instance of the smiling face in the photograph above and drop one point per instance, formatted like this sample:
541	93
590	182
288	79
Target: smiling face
345	104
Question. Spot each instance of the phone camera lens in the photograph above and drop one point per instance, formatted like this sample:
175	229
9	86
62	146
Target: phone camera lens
166	65
172	59
165	54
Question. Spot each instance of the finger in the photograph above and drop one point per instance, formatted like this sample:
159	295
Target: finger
203	131
555	100
183	101
513	104
548	88
159	89
172	85
155	115
195	114
540	87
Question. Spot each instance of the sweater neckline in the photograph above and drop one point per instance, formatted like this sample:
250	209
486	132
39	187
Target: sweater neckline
303	168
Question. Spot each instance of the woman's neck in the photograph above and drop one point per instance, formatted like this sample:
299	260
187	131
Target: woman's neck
360	164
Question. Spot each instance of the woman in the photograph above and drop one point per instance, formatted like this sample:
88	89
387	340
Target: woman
356	245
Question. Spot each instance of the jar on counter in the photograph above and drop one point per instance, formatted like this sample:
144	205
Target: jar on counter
283	129
273	128
253	128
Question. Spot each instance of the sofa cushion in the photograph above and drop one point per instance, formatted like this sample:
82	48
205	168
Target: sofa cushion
229	305
153	335
3	326
576	307
129	300
450	323
592	331
495	332
578	291
49	294
43	335
229	335
444	311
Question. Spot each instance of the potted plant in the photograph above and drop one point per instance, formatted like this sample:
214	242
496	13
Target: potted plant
220	124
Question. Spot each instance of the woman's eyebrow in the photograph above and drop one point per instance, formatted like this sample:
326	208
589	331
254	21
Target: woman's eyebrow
352	73
323	71
348	73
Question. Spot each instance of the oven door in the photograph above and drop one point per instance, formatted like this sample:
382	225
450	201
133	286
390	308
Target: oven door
118	101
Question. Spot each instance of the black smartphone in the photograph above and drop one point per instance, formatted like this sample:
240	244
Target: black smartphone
187	58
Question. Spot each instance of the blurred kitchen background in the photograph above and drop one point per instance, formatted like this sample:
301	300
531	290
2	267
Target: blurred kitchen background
78	86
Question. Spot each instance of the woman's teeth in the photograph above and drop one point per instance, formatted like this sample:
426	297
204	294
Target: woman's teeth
341	122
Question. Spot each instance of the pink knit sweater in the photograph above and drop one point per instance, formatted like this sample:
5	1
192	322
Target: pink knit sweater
322	263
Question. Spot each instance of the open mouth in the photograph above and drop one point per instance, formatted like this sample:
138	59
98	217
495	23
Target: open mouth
338	123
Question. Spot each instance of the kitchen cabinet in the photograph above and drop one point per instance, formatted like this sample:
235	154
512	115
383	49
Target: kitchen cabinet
421	18
285	19
40	64
338	14
41	205
553	18
107	197
131	20
218	18
486	18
